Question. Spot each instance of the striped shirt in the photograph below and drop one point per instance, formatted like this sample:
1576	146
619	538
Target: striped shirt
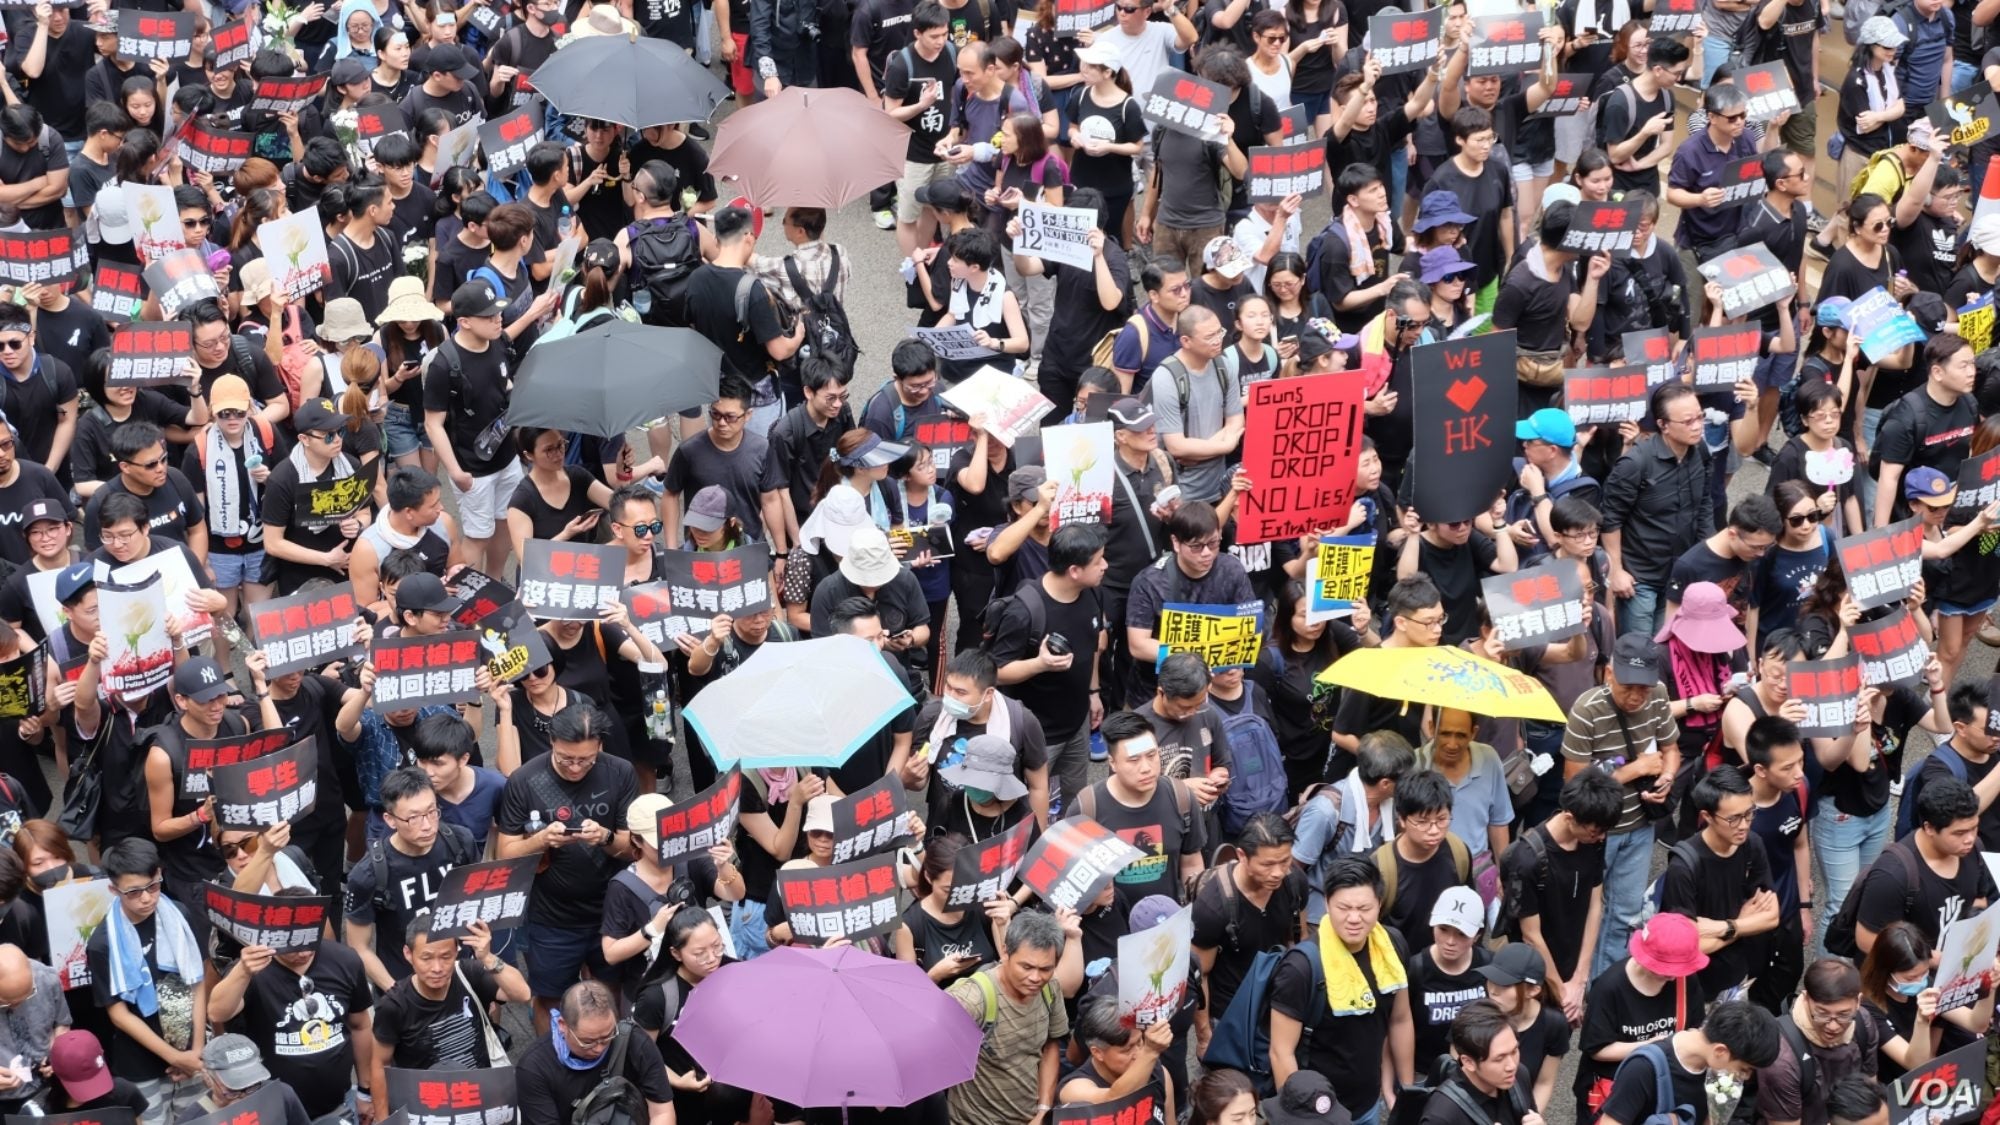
1594	734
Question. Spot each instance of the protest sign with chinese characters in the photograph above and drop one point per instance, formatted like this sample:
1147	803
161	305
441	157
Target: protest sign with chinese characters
1540	605
953	341
870	820
371	126
1057	234
1742	181
453	1097
215	151
1462	424
145	36
494	892
177	587
1725	355
1142	1107
1595	396
842	900
1882	323
139	658
1673	17
507	139
1013	407
1975	323
1978	480
699	585
1283	170
118	291
511	645
295	246
1153	970
1294	127
306	630
1340	573
1750	277
564	581
1884	564
1079	460
159	230
1654	349
1506	44
286	95
413	672
150	353
944	435
1769	90
1602	228
1964	118
1566	96
43	256
73	911
1223	641
1186	104
1891	648
269	790
232	43
1403	41
24	685
1073	16
285	924
689	829
265	1107
1074	860
1829	689
207	754
479	596
985	870
1948	1090
1302	439
1965	954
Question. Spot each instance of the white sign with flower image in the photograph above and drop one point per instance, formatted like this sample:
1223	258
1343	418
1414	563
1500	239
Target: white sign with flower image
141	657
1153	970
73	911
1966	953
159	221
1079	459
295	246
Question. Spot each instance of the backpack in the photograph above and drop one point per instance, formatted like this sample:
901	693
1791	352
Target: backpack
1038	615
1788	406
1316	250
1890	156
1183	803
1906	809
1684	851
614	1100
990	994
1183	384
1242	1034
1840	939
1665	1112
1100	356
459	849
1385	861
291	365
665	254
1508	924
1257	784
828	334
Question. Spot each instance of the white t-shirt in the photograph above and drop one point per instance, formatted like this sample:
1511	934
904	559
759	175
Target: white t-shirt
1145	55
1250	233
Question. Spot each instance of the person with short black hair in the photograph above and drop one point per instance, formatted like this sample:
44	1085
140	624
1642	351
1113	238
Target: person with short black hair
435	1016
1142	802
1950	883
414	521
1929	427
172	508
1722	879
22	482
38	392
1856	1100
1544	297
153	989
558	1072
467	384
754	341
1060	687
1260	907
1561	918
1150	336
1635	126
400	873
1195	569
1416	615
1655	500
1483	1089
468	794
1775	758
367	255
1842	1041
1735	1039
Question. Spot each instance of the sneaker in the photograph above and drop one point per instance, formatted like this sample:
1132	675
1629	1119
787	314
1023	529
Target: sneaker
1837	9
1815	222
1814	248
1097	751
1764	456
885	219
1989	634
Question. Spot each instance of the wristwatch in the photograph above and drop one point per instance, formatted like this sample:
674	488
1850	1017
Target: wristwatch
1729	930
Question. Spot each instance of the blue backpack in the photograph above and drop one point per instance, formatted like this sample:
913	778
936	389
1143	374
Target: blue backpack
1257	784
1665	1112
1906	809
1242	1039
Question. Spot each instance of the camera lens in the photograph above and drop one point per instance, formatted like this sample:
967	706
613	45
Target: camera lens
1058	644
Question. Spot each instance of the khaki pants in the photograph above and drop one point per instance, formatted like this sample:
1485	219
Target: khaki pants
1187	245
1852	164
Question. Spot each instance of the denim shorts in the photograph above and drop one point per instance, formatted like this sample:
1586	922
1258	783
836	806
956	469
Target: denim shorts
405	434
555	957
1973	609
232	571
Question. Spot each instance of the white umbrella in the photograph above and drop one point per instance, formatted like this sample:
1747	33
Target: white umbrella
804	703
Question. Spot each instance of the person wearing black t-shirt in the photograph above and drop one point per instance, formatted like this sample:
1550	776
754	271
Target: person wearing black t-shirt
1930	426
435	1018
1927	236
171	506
1735	1040
1727	888
755	340
1951	881
21	484
367	255
1553	883
304	1008
521	49
1155	812
1444	974
467	384
551	1078
1635	126
38	393
166	986
1484	1089
1258	908
1426	855
451	75
1059	687
1646	997
1364	131
400	874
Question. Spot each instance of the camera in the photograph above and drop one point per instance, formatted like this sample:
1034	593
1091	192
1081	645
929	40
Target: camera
1058	645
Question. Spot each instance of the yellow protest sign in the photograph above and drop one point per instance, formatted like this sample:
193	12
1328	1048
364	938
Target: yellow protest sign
1341	569
1222	637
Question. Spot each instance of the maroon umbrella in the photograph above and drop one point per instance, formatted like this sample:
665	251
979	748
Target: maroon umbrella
810	148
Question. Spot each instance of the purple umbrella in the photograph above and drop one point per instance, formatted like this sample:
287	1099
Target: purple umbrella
829	1027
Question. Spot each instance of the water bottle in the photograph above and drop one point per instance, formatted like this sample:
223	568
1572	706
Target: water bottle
565	223
1611	765
252	459
659	717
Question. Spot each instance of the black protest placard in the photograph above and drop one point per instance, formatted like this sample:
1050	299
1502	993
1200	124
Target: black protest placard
697	587
24	685
1769	91
232	43
1285	170
480	596
1506	43
1653	349
1674	17
214	151
1751	277
1140	1107
489	22
328	502
1883	565
118	292
179	279
1405	41
283	924
454	1097
1742	181
39	257
150	353
1537	606
1073	16
109	1115
1182	102
265	1107
507	139
1603	228
1948	1090
843	900
306	630
563	581
1597	396
286	95
1566	96
1463	416
1829	689
985	870
269	790
511	645
1978	481
371	125
205	755
145	36
1725	355
689	829
1965	118
1294	127
870	820
1074	861
955	341
413	672
494	892
1891	648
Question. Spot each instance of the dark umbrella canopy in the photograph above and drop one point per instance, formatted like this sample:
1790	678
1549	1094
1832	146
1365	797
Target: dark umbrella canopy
637	82
611	377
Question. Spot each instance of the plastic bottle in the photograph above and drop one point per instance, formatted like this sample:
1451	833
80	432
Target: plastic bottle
565	223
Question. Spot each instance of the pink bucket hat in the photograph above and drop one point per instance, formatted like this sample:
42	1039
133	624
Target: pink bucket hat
1705	621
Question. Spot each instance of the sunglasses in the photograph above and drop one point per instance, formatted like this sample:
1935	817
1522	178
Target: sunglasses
1802	521
13	345
1729	116
153	464
232	848
232	415
644	530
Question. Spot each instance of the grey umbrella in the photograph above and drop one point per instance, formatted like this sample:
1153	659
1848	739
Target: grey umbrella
611	377
633	80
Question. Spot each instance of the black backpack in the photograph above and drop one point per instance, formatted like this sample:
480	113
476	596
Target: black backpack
1899	859
1038	616
665	253
459	849
615	1100
828	334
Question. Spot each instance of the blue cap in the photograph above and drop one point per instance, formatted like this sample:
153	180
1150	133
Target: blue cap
1547	424
1829	312
1441	207
1151	911
1929	486
74	580
1440	262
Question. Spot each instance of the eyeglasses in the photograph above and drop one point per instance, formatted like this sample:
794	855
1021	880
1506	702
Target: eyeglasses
7	445
1427	622
917	388
728	417
594	1041
203	223
1205	546
151	888
153	464
120	537
232	415
13	345
571	761
643	530
1737	821
1429	823
213	342
1825	1018
1690	420
1280	37
1879	225
323	439
1183	287
424	817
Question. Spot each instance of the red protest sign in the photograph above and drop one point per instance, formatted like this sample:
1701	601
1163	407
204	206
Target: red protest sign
689	829
1463	421
1596	396
1136	1108
118	292
150	353
495	892
568	581
985	870
842	900
306	630
1301	440
205	754
1883	565
413	672
1829	689
1725	355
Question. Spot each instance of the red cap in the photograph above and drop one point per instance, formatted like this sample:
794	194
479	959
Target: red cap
1669	945
77	1059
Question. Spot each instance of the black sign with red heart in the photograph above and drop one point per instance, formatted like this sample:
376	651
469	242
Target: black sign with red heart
1464	424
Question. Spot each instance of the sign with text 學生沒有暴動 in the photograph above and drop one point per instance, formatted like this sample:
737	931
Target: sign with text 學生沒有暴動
1978	481
985	870
494	892
1603	228
1184	103
452	1097
507	139
178	279
1751	277
1674	17
1540	605
273	789
145	36
1506	43
1566	96
1463	424
564	581
870	820
697	587
1652	348
1769	91
1404	41
1302	439
1742	181
1829	689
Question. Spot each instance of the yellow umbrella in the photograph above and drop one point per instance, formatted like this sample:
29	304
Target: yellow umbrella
1445	677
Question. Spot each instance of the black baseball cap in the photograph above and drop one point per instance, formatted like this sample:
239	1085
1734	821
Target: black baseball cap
425	592
1635	660
201	680
317	415
449	58
43	509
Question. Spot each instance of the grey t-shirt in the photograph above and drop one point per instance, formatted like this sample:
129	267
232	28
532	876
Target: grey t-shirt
1213	398
1190	198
